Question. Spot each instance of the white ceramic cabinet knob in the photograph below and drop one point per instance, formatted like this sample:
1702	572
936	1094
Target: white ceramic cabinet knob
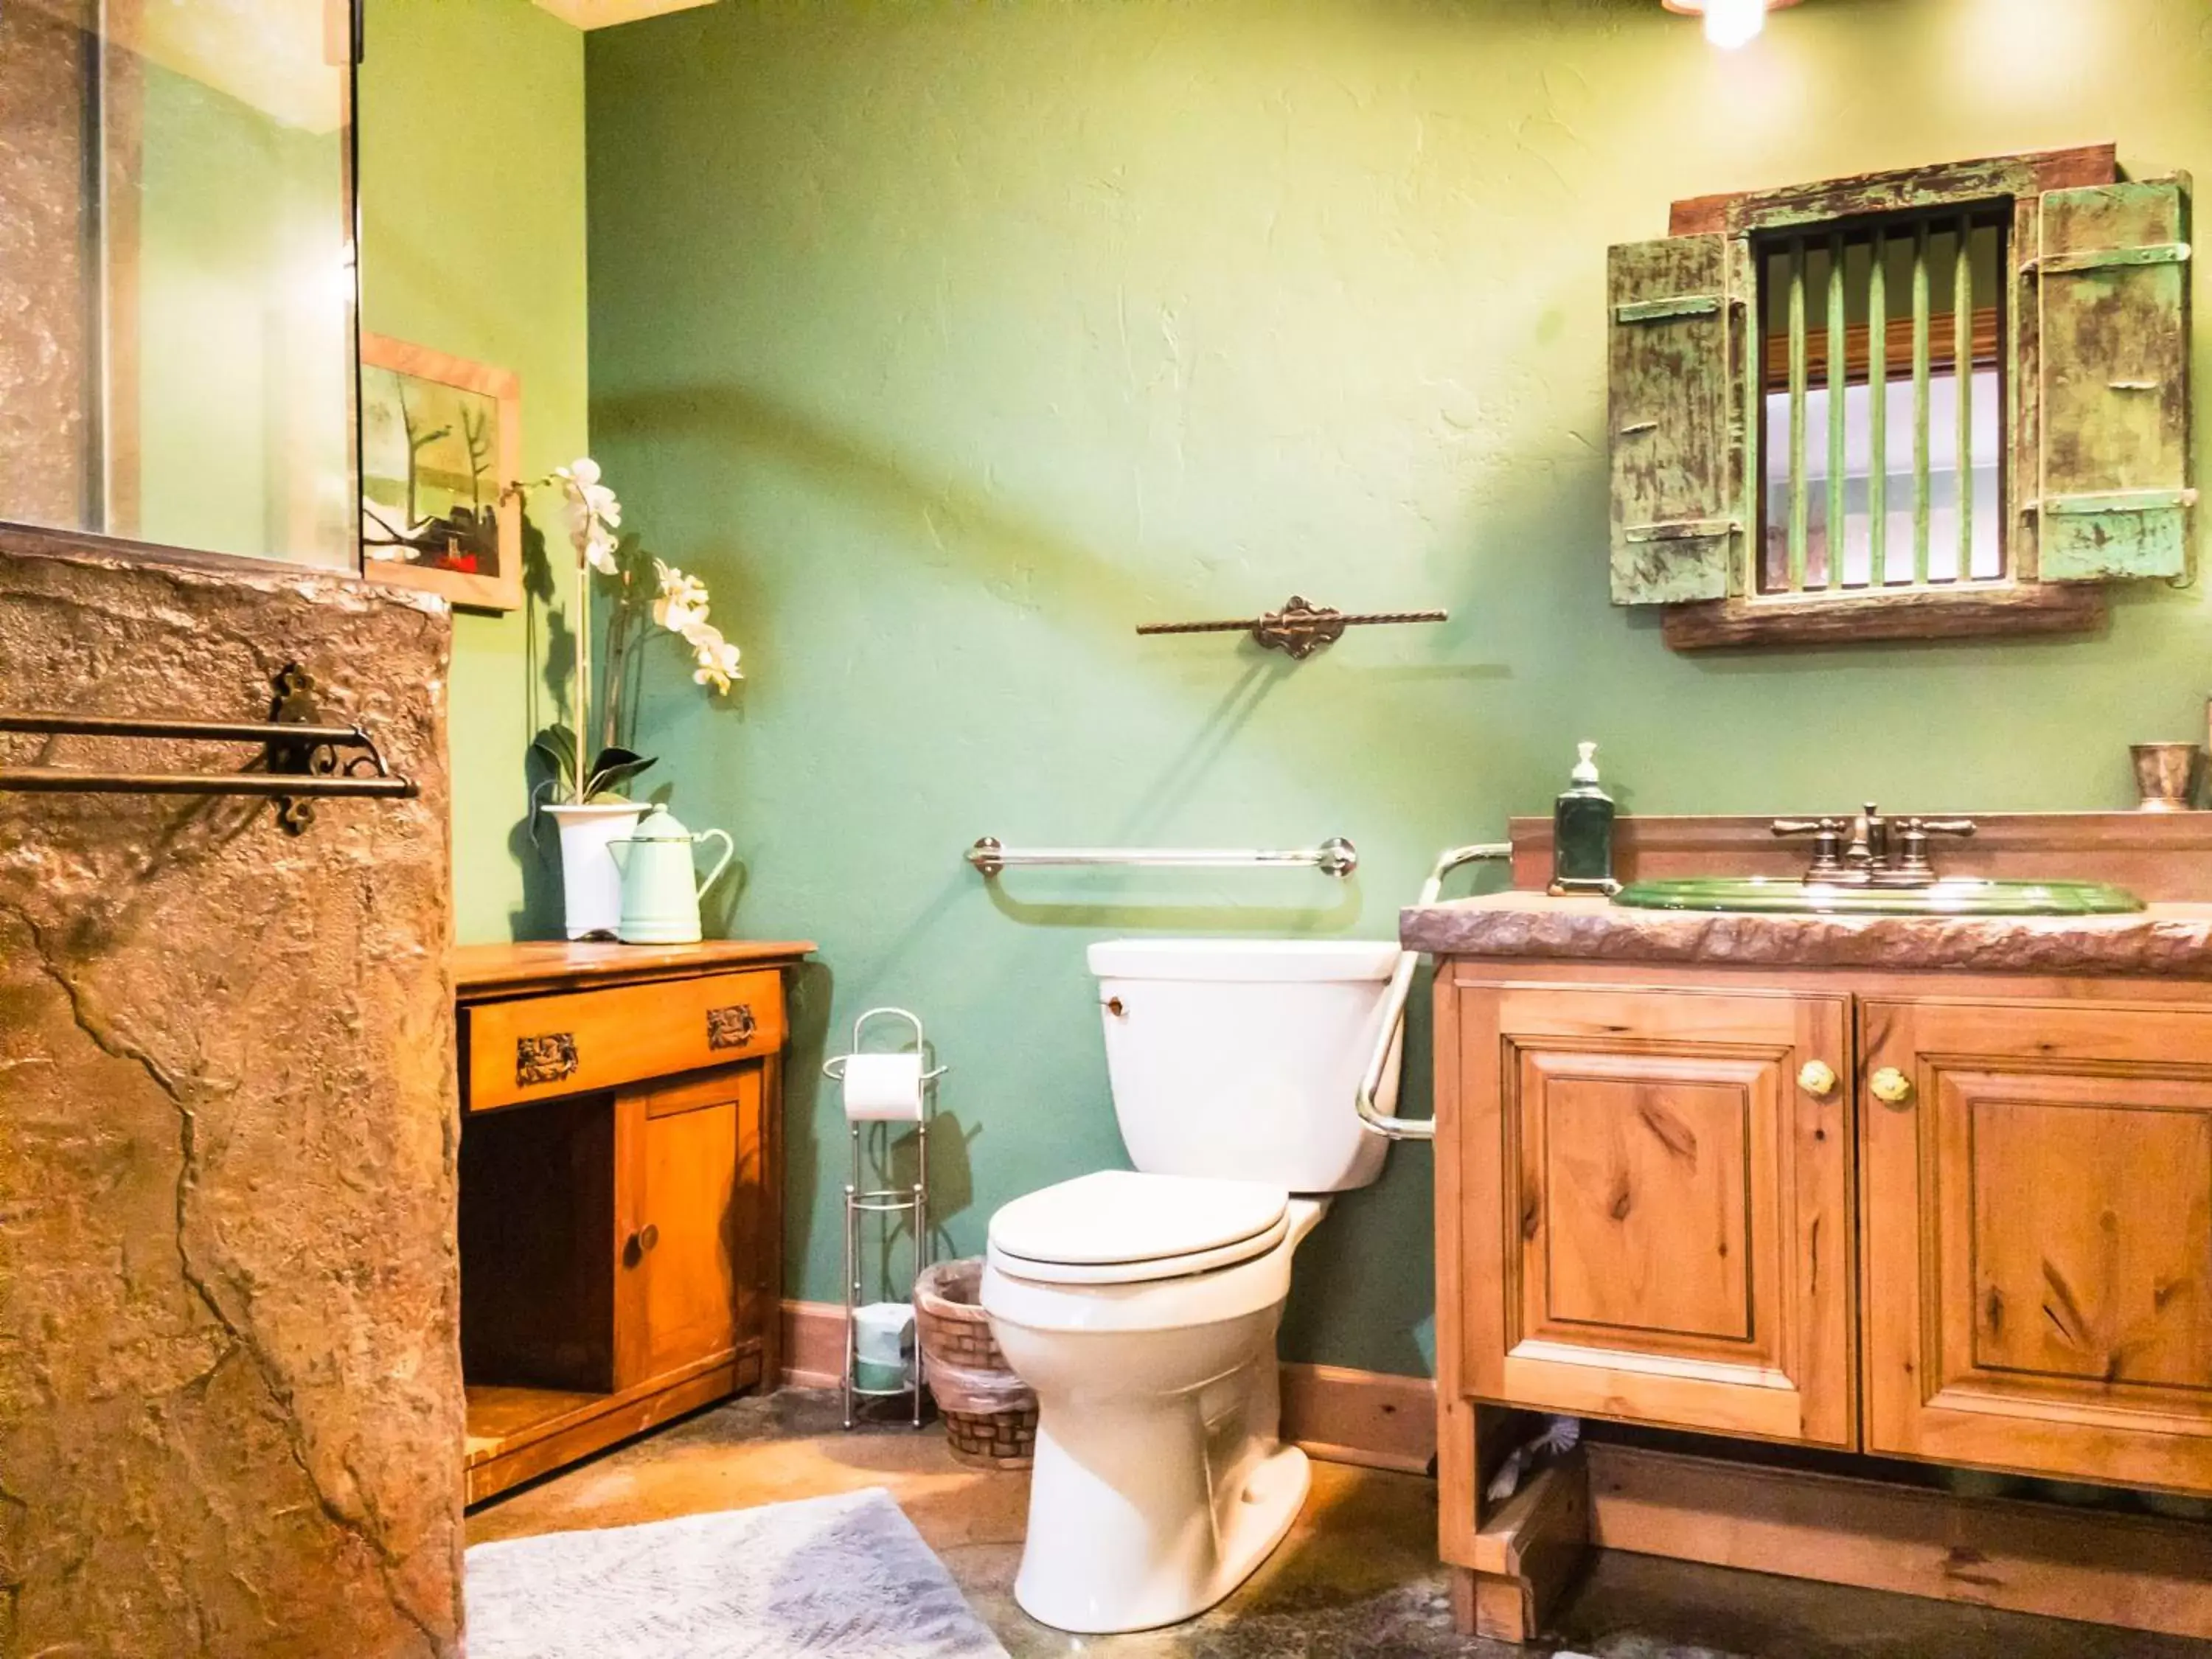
1891	1086
1817	1079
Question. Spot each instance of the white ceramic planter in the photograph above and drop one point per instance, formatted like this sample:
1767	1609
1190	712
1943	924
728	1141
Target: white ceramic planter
591	881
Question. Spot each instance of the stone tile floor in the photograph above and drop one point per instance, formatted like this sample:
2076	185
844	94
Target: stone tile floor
1357	1579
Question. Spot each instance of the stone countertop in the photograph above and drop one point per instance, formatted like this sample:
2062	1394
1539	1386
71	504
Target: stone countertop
2170	941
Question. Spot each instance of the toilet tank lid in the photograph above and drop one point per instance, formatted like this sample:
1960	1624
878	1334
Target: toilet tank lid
1276	960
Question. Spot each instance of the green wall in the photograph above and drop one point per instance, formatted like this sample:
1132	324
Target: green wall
949	341
472	242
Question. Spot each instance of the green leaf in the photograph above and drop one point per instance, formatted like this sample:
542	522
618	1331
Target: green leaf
558	745
611	769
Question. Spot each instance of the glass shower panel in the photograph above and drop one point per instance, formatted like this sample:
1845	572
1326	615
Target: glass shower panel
177	334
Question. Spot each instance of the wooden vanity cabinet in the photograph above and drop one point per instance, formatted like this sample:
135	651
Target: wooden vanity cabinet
1984	1242
2036	1220
1977	1231
1658	1206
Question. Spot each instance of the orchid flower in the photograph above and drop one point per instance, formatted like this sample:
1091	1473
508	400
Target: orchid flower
717	658
683	602
594	513
681	609
678	603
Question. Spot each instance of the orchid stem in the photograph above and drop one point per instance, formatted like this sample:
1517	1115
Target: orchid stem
583	626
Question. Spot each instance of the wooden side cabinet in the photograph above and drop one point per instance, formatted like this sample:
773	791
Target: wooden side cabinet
1658	1206
2038	1216
621	1178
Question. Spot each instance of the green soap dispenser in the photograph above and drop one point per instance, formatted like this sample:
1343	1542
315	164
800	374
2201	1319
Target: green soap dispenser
1581	833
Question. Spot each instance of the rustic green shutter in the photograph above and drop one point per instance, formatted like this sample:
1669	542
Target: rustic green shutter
1677	416
2111	266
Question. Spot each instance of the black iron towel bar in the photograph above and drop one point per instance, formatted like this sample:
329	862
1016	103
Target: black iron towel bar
303	758
1300	628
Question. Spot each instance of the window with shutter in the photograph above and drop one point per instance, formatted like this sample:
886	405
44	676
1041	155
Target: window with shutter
1937	403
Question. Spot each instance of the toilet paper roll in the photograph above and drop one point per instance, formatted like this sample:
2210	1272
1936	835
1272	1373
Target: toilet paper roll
883	1088
883	1332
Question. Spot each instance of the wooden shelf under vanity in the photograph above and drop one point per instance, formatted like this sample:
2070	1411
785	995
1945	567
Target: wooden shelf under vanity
621	1179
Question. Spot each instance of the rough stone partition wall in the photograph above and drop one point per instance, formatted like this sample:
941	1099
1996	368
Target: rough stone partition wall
231	1416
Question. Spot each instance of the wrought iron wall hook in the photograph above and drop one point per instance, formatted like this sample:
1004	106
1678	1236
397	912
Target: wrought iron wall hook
1300	628
303	758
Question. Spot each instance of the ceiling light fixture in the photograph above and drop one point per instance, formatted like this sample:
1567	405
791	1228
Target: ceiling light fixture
1729	23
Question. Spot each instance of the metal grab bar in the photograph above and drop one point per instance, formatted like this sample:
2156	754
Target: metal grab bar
1390	1038
1333	857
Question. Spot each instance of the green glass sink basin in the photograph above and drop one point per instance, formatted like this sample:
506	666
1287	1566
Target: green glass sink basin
1965	896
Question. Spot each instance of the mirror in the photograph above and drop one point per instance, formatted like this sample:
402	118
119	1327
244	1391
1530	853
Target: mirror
177	297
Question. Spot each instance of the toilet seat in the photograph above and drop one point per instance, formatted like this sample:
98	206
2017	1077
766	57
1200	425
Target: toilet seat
1118	1227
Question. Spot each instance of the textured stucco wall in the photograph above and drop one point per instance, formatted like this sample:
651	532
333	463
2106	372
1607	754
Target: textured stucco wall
949	341
230	1393
472	243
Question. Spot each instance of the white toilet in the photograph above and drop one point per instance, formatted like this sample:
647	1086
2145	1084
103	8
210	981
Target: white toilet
1142	1307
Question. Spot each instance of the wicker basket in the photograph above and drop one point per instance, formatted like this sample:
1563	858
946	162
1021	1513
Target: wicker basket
990	1415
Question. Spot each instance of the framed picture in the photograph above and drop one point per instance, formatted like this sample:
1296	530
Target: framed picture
440	439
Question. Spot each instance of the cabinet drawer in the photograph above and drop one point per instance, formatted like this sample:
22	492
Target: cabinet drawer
537	1048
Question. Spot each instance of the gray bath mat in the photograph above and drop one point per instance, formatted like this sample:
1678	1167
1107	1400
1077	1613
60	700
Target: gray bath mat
842	1577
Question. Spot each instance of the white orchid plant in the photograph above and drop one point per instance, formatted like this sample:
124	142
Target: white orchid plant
640	585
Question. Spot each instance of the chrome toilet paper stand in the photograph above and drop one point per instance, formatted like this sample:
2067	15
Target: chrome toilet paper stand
912	1202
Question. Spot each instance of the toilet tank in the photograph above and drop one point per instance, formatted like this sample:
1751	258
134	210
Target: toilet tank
1240	1058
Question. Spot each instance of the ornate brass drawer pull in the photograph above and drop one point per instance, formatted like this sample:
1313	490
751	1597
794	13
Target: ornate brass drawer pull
542	1060
731	1028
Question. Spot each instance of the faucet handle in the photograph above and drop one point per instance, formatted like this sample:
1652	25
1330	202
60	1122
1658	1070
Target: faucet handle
1828	843
1912	844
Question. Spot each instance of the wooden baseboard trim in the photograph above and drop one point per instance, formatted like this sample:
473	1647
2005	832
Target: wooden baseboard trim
2137	1572
1368	1418
813	1345
1337	1414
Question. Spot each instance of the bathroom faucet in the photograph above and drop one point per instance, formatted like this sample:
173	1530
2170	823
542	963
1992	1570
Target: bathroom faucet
1887	853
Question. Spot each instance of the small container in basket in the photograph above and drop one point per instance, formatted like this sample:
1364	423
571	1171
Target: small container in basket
990	1415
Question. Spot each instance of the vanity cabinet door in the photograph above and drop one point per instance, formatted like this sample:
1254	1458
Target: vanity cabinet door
1658	1213
691	1193
2038	1220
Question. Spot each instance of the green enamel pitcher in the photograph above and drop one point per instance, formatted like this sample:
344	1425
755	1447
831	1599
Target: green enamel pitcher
660	882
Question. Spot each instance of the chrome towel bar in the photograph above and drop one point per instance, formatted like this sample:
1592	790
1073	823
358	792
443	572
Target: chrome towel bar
1333	857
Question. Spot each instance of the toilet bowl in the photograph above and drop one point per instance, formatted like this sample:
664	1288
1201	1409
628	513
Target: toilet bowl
1142	1306
1159	1482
